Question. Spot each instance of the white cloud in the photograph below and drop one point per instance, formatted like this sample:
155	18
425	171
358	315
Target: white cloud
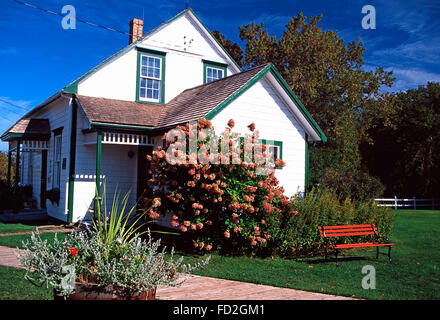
411	78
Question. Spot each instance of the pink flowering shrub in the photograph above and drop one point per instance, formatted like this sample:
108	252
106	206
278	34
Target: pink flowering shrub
224	203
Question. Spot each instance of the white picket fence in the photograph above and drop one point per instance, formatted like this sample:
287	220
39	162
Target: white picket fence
413	203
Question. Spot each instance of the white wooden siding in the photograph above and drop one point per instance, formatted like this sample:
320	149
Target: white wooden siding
118	171
58	114
261	105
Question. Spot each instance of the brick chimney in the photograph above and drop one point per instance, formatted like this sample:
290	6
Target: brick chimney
136	28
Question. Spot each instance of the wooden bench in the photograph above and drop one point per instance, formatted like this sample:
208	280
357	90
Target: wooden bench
350	231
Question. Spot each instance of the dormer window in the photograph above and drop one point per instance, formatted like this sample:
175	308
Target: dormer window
151	74
213	71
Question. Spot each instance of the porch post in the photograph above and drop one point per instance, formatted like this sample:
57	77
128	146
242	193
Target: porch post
9	165
17	164
98	168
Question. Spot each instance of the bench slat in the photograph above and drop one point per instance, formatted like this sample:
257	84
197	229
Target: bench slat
348	234
359	245
349	230
348	226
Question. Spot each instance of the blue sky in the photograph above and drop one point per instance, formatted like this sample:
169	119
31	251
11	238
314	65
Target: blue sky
38	57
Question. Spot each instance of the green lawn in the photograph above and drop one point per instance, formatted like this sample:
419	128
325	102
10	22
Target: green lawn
13	286
16	241
15	227
414	273
20	227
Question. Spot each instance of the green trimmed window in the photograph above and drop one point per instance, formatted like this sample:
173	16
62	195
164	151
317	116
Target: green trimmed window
150	76
275	148
213	71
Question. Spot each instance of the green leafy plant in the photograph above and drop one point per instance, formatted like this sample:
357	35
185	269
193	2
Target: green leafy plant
134	266
298	233
112	252
119	223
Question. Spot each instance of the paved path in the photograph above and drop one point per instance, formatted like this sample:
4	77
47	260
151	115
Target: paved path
206	288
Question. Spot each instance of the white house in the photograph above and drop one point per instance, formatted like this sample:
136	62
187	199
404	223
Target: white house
102	125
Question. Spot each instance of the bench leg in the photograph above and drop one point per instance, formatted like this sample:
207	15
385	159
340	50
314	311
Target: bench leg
377	252
389	253
337	262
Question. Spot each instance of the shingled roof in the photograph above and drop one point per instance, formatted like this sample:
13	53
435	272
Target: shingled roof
105	110
197	102
191	104
29	129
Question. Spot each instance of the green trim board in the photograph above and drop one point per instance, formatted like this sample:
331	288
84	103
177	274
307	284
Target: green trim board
73	86
152	53
214	65
269	68
98	170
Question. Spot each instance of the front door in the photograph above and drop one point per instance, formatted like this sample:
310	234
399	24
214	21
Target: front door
143	175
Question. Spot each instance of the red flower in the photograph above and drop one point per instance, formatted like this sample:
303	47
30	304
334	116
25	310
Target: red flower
251	126
231	123
73	251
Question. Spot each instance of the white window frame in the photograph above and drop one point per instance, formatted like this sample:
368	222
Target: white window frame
57	147
212	78
152	78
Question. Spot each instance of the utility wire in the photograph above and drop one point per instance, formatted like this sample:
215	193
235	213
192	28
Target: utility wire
6	118
13	104
93	24
79	20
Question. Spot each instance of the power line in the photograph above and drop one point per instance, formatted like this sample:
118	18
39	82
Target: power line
6	118
91	23
79	20
13	104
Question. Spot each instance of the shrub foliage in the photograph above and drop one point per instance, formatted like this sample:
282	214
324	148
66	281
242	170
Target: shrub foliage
224	203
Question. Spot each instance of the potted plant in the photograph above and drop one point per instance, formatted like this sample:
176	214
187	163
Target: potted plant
109	260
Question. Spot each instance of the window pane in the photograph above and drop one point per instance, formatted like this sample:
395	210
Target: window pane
209	72
142	93
144	60
156	84
219	74
143	82
156	94
149	93
157	73
157	63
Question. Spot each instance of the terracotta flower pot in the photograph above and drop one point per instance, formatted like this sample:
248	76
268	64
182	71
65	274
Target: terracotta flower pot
92	291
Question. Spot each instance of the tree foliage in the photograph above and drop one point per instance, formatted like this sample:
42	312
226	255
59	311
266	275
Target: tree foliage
405	154
328	77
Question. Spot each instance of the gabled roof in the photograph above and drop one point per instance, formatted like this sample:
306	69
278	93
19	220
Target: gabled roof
73	86
204	101
199	101
28	129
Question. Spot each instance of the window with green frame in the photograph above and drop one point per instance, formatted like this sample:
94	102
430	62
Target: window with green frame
213	71
150	83
275	148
